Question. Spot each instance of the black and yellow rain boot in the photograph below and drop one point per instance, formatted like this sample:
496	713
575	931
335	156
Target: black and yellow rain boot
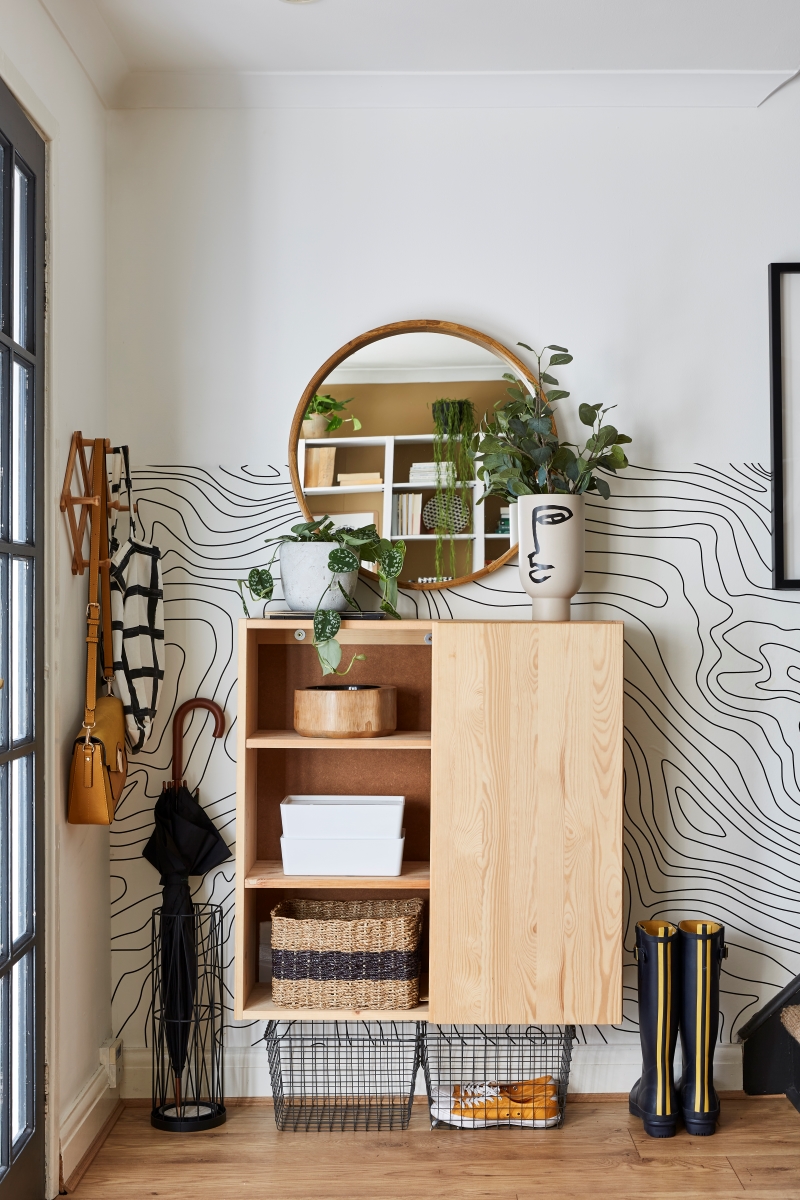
653	1096
703	948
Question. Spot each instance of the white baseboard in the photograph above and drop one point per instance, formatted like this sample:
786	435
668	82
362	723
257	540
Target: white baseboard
616	1068
594	1069
85	1119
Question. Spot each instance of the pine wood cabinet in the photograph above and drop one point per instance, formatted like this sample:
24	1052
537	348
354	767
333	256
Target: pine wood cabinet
509	752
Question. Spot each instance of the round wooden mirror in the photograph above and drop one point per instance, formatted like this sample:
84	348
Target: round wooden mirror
405	392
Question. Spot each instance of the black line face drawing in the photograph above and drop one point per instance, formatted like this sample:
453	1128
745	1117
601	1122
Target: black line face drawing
544	514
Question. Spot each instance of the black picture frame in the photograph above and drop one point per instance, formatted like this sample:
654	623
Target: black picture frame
778	400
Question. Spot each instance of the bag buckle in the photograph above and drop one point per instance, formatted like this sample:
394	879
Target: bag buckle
93	604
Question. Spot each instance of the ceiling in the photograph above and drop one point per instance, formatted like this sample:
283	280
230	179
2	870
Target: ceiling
749	47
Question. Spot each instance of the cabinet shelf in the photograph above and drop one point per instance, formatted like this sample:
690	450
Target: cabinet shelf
289	739
259	1006
269	874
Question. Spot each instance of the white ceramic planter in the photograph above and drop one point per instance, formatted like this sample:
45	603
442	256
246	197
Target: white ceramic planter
305	576
315	426
551	549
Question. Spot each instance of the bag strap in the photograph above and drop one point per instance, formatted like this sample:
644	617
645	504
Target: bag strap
99	484
105	580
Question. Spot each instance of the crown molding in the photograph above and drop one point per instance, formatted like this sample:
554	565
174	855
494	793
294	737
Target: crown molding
517	89
89	38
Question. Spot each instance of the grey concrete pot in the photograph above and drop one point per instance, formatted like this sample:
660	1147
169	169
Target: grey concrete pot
305	576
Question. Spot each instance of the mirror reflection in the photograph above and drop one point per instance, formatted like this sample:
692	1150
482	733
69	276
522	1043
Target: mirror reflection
387	439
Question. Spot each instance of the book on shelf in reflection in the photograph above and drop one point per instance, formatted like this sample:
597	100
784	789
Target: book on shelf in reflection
358	478
432	473
408	514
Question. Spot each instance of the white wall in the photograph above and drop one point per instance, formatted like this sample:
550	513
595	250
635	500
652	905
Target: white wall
245	246
39	67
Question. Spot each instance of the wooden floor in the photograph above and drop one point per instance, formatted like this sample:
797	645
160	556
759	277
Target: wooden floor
601	1151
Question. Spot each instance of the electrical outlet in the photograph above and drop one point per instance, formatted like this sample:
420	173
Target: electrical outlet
111	1059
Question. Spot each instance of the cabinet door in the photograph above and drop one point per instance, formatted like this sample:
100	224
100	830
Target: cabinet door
526	823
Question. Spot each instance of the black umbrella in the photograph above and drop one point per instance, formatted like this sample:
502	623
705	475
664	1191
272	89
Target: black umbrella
185	842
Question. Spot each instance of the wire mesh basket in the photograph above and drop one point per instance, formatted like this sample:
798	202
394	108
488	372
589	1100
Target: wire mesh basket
355	1075
492	1075
186	1020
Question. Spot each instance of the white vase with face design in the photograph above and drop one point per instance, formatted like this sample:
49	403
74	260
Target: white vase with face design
551	545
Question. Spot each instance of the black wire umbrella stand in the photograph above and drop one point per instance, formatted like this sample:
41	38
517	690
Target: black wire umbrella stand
190	1099
186	958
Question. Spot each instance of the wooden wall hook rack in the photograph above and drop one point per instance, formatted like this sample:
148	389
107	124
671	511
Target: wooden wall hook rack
79	470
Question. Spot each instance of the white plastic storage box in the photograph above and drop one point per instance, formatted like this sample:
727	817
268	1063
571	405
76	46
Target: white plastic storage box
342	856
342	816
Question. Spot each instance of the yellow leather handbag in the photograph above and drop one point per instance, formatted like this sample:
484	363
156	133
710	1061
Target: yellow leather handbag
99	762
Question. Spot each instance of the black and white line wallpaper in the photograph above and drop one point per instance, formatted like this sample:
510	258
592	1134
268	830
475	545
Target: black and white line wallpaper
712	708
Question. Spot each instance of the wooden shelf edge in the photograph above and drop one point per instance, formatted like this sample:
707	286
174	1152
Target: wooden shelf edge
259	1007
268	873
288	739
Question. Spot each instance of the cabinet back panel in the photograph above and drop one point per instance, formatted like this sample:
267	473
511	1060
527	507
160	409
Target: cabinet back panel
342	772
282	668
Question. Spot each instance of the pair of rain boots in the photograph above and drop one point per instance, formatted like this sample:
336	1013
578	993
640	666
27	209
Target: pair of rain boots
679	970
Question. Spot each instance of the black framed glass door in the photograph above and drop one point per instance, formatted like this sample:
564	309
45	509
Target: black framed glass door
22	182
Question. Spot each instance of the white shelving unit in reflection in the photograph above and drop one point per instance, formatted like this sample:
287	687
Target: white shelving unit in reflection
391	486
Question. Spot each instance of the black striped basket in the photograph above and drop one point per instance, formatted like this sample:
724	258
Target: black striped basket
346	953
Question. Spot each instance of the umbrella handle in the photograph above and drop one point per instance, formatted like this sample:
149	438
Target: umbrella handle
177	732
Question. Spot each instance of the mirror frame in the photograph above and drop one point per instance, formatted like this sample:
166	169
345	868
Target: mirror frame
448	328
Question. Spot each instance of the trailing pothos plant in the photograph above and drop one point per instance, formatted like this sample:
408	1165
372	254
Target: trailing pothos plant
520	454
349	548
330	407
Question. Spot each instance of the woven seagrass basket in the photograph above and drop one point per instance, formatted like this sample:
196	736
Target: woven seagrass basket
346	953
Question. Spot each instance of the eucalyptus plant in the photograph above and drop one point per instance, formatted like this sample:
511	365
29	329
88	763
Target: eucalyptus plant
520	454
330	407
350	547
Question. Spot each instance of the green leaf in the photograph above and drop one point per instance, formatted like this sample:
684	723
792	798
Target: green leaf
525	346
623	439
351	600
563	349
333	423
588	413
552	396
341	560
260	583
603	488
239	583
326	625
541	477
557	359
390	562
540	425
356	423
330	655
388	607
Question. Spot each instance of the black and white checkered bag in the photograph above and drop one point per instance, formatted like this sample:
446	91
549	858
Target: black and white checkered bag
137	612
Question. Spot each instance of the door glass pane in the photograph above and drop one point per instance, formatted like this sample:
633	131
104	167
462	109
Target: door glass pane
21	1047
5	941
5	689
21	847
21	650
5	474
21	454
3	170
20	325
